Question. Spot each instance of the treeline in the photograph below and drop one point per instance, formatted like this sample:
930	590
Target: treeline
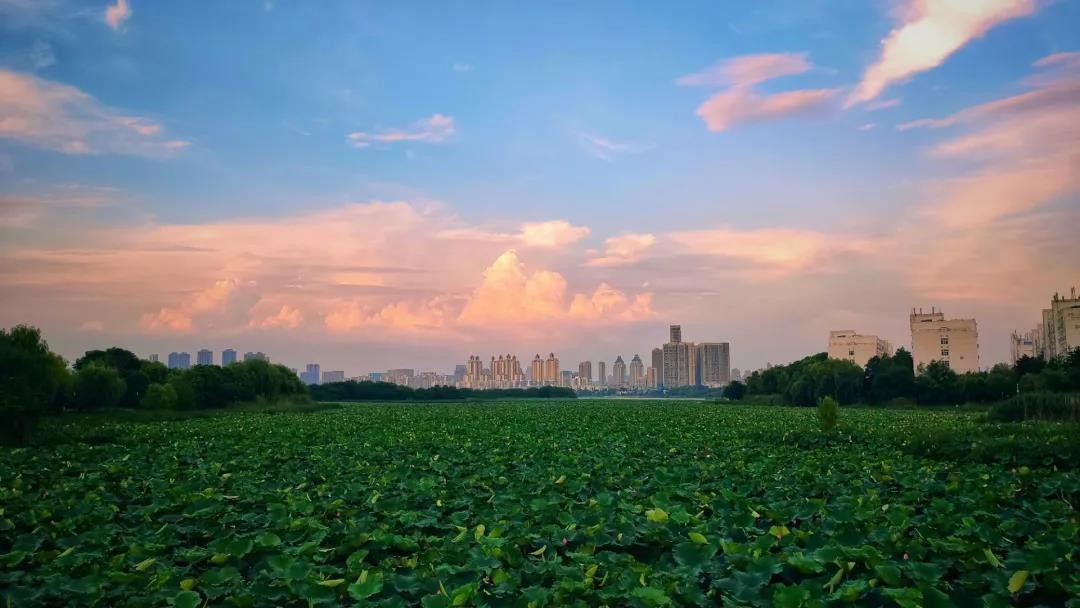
352	390
893	379
35	381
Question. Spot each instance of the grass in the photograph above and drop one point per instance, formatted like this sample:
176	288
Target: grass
587	502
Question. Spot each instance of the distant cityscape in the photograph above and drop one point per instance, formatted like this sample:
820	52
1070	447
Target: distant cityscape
678	363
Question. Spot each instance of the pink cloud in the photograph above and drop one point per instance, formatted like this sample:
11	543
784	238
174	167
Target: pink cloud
930	31
748	70
623	249
117	14
434	129
737	106
58	117
287	317
741	103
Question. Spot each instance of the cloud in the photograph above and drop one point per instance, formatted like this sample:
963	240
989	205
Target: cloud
867	126
25	211
287	317
181	318
929	32
742	103
623	249
509	295
434	129
882	104
748	70
117	14
548	234
607	149
737	106
58	117
462	67
93	326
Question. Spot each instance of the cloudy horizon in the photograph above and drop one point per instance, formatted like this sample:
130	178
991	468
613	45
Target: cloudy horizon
406	190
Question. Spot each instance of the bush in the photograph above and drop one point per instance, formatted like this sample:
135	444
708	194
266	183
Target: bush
828	413
33	380
1038	406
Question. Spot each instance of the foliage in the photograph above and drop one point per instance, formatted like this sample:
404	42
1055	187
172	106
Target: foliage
352	390
160	397
213	387
98	386
136	373
33	381
554	503
1038	406
735	390
828	413
807	380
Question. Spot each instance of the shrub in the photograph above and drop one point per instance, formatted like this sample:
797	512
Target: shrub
1038	406
828	413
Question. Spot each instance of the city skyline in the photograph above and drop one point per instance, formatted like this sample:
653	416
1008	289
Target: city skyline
532	178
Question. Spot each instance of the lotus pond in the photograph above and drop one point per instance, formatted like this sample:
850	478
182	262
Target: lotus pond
554	503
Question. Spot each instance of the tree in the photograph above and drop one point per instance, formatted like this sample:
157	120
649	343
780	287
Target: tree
828	413
937	384
32	381
735	390
890	377
98	387
160	397
127	364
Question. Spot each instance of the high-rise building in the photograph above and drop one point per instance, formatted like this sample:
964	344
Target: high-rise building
584	370
679	361
855	347
179	360
153	358
400	376
536	371
650	377
204	357
459	374
601	376
312	375
637	372
658	365
1022	345
551	370
566	378
713	364
953	341
618	372
228	357
1060	332
333	376
259	356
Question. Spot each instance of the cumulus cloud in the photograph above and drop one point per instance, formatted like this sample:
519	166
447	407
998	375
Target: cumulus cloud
928	33
623	249
286	317
54	116
548	234
742	103
181	317
117	14
435	129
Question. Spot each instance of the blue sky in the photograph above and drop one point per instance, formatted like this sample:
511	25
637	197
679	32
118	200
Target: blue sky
558	112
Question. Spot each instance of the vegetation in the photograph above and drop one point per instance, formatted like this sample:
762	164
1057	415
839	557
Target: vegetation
33	381
388	391
893	378
828	413
619	503
1038	406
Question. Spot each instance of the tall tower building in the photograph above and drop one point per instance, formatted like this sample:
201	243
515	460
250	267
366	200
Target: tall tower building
179	360
637	372
713	363
953	341
584	371
679	361
311	375
676	334
537	370
228	357
204	357
601	376
618	372
658	367
551	370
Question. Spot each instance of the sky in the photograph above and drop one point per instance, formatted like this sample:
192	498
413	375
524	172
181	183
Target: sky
374	185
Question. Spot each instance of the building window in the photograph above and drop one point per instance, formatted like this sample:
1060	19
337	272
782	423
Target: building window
944	340
851	353
944	352
946	363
